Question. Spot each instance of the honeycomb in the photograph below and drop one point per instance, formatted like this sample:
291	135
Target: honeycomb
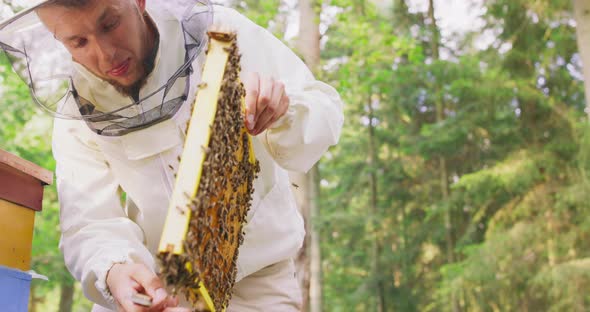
204	268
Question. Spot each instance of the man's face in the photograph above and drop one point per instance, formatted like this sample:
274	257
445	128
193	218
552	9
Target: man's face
108	37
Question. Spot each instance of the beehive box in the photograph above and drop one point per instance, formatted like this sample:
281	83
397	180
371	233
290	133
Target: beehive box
21	195
15	287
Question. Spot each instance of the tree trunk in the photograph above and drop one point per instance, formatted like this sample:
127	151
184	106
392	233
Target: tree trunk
443	171
301	187
308	41
400	21
66	300
309	260
315	283
582	16
374	209
32	299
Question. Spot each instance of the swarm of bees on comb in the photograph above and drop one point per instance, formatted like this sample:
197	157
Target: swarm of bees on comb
204	227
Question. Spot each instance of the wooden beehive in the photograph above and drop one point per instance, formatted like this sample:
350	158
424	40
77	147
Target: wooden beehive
21	195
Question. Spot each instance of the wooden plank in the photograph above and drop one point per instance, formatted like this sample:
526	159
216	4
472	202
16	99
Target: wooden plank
26	167
20	188
16	235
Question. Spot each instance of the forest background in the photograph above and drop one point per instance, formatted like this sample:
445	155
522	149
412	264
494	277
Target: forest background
461	180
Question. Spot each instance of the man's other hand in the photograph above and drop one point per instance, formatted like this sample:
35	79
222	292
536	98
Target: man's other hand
266	101
124	280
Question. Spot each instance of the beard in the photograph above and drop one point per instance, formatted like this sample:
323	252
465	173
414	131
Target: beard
146	67
133	89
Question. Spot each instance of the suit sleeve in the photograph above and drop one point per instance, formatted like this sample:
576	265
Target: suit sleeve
314	119
96	232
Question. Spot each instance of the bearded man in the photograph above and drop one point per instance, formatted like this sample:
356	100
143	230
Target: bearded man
131	73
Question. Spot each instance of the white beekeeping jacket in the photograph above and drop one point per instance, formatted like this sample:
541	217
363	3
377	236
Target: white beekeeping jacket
98	229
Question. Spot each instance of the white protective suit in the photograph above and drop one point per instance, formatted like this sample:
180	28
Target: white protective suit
100	229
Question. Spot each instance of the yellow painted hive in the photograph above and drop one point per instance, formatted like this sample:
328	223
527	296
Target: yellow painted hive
21	195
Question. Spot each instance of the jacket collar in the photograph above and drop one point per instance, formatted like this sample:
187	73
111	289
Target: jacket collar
170	56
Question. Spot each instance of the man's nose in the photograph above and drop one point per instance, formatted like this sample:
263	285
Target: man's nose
105	51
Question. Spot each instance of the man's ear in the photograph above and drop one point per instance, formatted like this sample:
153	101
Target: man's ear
141	5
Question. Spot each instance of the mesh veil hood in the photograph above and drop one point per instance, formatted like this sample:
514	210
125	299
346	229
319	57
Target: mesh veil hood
68	90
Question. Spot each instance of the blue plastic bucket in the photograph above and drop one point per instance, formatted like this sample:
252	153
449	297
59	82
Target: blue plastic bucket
15	286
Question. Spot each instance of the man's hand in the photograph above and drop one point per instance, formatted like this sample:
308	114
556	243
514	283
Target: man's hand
124	280
266	101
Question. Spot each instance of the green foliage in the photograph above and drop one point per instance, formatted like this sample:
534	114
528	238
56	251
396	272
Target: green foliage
260	12
24	132
515	143
513	136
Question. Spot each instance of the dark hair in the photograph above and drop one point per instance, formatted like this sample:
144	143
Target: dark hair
68	3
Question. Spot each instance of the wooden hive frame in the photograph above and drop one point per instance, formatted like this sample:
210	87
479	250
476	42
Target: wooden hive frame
212	192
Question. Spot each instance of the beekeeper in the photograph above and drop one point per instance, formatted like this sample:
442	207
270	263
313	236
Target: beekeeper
120	77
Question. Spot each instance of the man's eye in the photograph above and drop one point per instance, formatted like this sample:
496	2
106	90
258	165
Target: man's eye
111	25
79	43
